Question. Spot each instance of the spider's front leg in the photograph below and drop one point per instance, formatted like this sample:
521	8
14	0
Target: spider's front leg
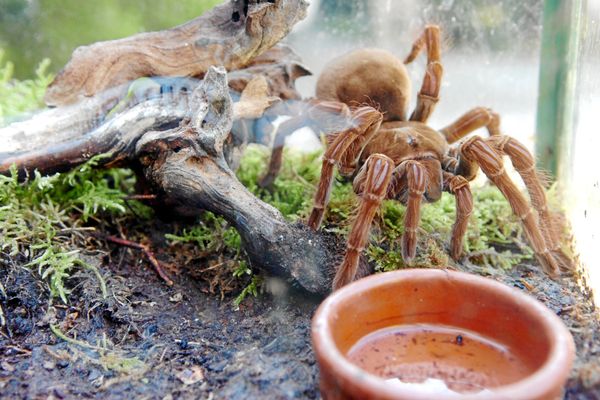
410	178
459	187
343	150
479	151
371	184
377	180
476	118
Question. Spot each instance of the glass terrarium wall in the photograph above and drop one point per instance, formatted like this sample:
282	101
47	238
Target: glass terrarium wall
490	54
578	172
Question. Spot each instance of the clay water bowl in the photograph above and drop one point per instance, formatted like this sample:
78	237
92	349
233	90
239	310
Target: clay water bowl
434	334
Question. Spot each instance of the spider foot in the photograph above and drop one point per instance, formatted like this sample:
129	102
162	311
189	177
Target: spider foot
266	182
565	263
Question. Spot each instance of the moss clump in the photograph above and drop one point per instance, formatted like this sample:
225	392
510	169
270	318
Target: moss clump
212	234
217	247
291	191
42	218
252	289
45	221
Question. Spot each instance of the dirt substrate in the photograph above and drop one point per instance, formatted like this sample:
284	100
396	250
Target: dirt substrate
150	341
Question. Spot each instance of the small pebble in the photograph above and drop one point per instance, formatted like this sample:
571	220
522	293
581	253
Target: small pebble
183	344
49	365
60	393
176	298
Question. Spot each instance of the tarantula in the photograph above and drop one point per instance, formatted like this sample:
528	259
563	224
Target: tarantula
362	97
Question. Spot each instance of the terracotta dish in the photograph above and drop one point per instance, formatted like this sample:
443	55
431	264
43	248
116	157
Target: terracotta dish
444	325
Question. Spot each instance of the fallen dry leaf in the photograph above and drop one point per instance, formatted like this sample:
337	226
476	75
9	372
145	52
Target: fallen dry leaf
254	100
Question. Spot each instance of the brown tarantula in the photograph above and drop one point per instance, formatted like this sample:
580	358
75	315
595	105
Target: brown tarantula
363	98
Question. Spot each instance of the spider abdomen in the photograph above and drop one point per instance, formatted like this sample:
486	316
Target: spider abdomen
371	77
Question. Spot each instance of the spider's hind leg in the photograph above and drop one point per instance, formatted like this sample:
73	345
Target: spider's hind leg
490	161
319	116
285	129
429	94
524	163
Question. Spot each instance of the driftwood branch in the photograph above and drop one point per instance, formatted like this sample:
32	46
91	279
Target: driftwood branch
60	138
184	141
230	35
186	165
34	146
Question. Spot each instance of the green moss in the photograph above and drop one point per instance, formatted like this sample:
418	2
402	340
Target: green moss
212	234
18	97
252	289
215	237
112	361
101	355
292	190
40	218
219	241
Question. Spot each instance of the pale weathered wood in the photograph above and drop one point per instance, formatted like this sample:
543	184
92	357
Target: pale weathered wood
230	35
280	65
35	146
59	138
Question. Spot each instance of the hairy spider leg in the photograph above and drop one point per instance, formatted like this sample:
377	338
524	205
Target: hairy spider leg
344	150
472	120
371	184
412	176
315	117
524	163
429	94
476	118
459	187
477	150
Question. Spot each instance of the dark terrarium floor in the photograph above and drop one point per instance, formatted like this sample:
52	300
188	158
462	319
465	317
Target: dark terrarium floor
150	341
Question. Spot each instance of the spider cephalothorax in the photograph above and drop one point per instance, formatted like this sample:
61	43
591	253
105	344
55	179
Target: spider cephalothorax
362	100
